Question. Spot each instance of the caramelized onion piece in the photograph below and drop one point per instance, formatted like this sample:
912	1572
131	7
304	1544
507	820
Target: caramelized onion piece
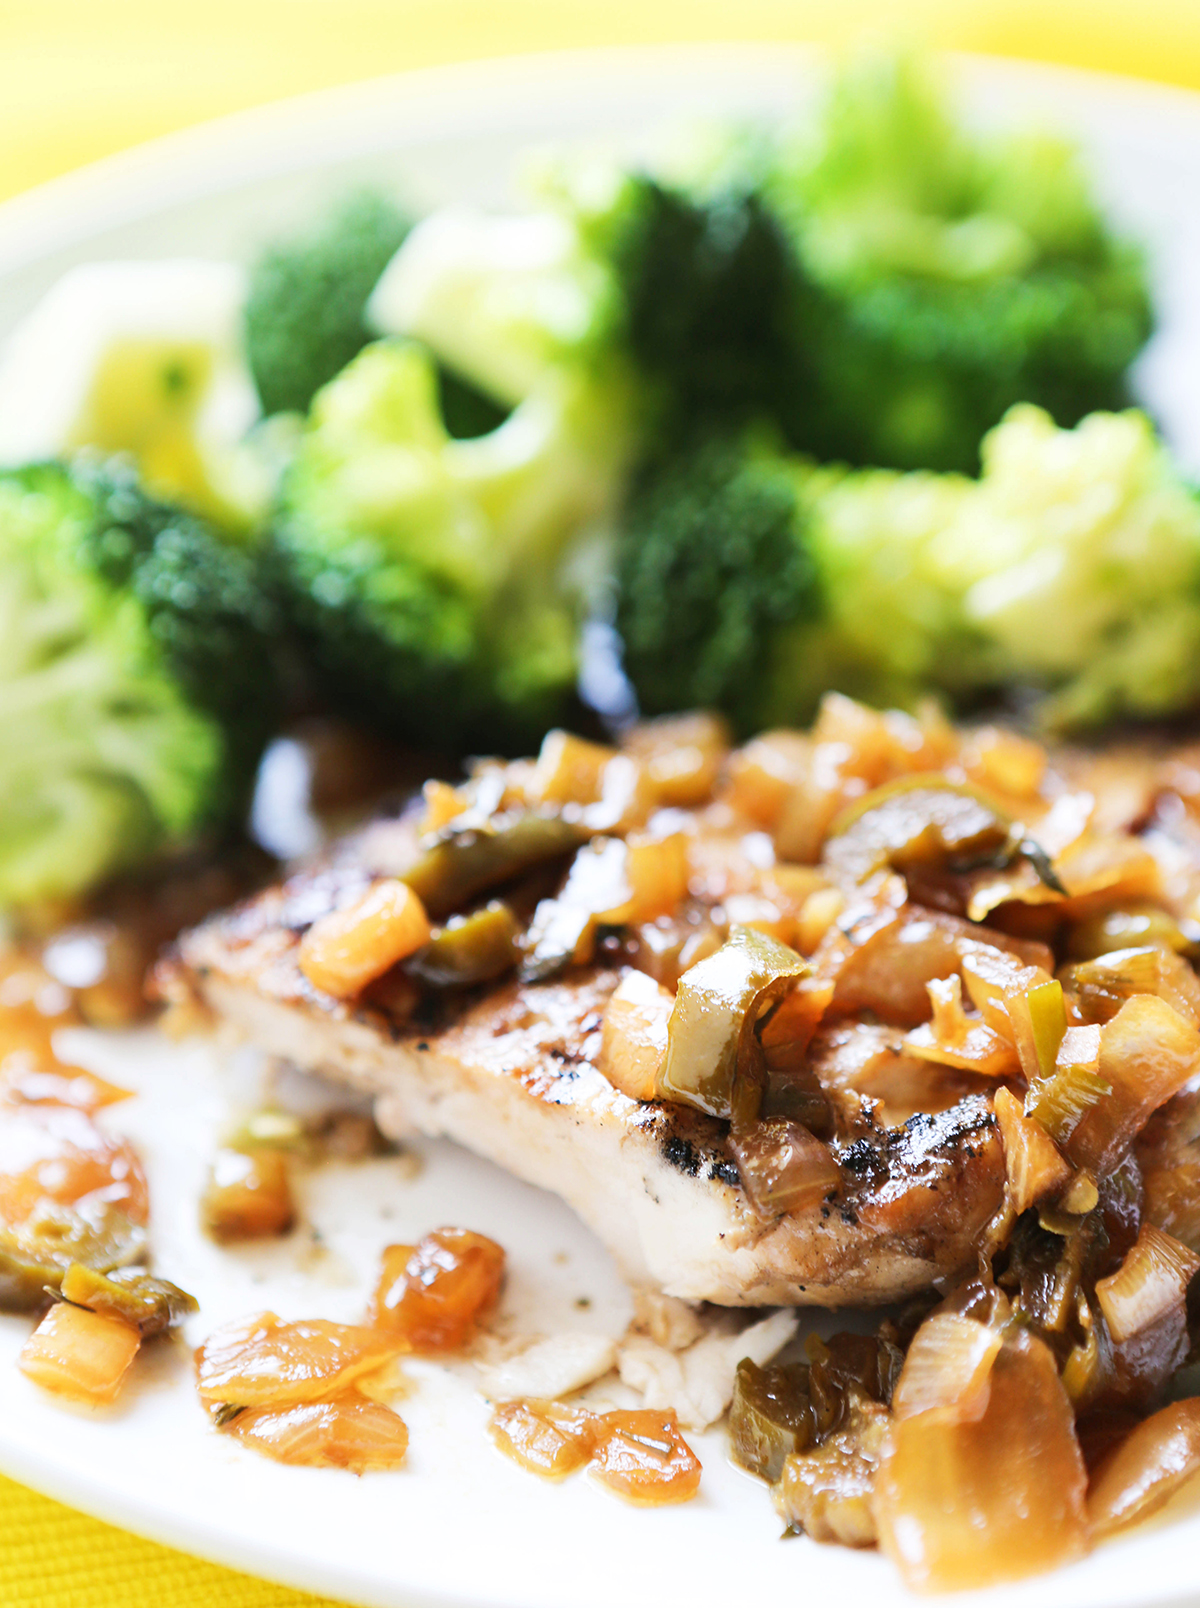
948	1368
80	1354
633	1038
569	769
263	1362
1147	1468
1022	1003
1034	1165
1145	1308
431	1296
1147	1053
349	1432
248	1196
642	1456
711	1036
967	1502
953	1038
348	948
1168	1149
550	1438
1101	986
828	1491
885	963
783	1167
681	754
57	1153
1151	1281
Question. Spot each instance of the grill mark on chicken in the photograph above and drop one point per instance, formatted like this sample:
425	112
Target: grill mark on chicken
511	1072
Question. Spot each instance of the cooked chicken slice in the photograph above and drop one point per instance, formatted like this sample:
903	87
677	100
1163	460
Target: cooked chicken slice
514	1077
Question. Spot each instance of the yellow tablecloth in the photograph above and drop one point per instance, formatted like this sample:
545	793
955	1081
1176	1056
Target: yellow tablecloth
81	78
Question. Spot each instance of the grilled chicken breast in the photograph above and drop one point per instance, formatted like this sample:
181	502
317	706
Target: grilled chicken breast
512	1075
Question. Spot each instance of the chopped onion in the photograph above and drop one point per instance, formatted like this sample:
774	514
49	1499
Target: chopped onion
349	1432
1147	1053
1022	1003
1147	1468
784	1168
948	1367
633	1039
963	1502
953	1038
681	754
890	960
1032	1161
1151	1281
80	1354
569	769
263	1362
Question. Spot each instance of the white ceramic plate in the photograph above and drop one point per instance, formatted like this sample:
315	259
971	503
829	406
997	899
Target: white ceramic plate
460	1527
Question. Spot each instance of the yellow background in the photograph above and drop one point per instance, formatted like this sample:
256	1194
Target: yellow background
82	78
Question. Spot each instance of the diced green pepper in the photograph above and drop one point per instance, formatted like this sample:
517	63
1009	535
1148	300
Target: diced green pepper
925	822
462	861
470	949
563	930
770	1416
720	1003
35	1254
151	1305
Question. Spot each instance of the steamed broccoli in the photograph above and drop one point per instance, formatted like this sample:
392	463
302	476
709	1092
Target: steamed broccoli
690	297
707	296
423	571
714	574
135	680
304	312
1072	567
960	275
1077	562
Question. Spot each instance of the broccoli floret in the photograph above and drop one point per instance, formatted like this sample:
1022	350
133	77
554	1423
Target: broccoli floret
707	294
713	573
304	313
1072	567
135	678
1077	562
691	297
424	572
960	275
